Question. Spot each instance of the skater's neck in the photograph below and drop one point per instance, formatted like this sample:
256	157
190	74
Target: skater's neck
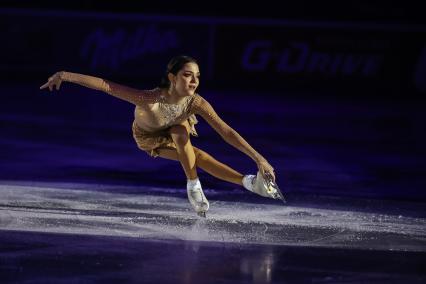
173	97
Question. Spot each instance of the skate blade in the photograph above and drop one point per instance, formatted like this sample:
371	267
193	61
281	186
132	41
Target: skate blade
273	188
201	214
280	196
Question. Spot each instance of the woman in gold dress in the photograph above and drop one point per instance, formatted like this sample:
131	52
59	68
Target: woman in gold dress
165	119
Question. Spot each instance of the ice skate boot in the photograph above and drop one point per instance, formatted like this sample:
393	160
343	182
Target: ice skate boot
248	182
264	186
196	197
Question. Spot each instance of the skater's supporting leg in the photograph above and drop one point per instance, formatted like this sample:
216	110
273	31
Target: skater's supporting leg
186	155
185	151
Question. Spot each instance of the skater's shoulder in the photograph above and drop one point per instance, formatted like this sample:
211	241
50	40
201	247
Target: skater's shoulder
196	101
197	98
202	107
153	91
153	95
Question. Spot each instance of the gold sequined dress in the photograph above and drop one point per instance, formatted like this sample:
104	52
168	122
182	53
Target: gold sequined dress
153	121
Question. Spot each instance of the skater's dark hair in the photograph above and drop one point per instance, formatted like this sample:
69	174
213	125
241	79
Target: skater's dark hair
174	66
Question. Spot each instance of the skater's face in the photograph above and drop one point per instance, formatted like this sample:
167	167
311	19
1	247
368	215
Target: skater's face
186	80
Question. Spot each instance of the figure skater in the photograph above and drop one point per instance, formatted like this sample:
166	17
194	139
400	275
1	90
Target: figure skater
165	119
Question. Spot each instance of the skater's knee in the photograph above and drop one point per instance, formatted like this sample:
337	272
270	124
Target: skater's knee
200	155
179	134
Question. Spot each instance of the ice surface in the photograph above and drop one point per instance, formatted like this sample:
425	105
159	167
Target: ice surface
165	213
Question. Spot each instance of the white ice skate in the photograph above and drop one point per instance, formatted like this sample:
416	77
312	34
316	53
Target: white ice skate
264	186
196	197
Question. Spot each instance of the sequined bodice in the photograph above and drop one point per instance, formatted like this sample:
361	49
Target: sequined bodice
159	114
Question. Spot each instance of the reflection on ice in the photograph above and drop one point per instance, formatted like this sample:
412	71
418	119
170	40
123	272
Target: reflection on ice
259	267
151	215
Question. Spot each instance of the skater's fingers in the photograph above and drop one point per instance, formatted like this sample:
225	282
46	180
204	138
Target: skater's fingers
270	175
44	86
50	87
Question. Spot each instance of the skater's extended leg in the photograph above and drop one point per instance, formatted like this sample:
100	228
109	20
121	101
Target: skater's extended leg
222	171
207	163
216	168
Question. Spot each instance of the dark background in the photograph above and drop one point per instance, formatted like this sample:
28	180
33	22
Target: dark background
374	10
387	39
331	93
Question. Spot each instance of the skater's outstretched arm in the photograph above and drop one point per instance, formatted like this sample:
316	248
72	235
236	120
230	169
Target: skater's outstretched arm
203	108
128	94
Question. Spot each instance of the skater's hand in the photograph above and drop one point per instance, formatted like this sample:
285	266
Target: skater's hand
265	167
54	80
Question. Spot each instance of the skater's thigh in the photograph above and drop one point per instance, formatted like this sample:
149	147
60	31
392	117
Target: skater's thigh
171	153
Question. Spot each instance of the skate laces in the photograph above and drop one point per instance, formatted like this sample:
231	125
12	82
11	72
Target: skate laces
249	181
253	180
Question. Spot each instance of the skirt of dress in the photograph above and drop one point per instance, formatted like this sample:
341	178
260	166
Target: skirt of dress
150	142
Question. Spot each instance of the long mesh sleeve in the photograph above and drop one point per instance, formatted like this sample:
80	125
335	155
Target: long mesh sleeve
131	95
203	108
